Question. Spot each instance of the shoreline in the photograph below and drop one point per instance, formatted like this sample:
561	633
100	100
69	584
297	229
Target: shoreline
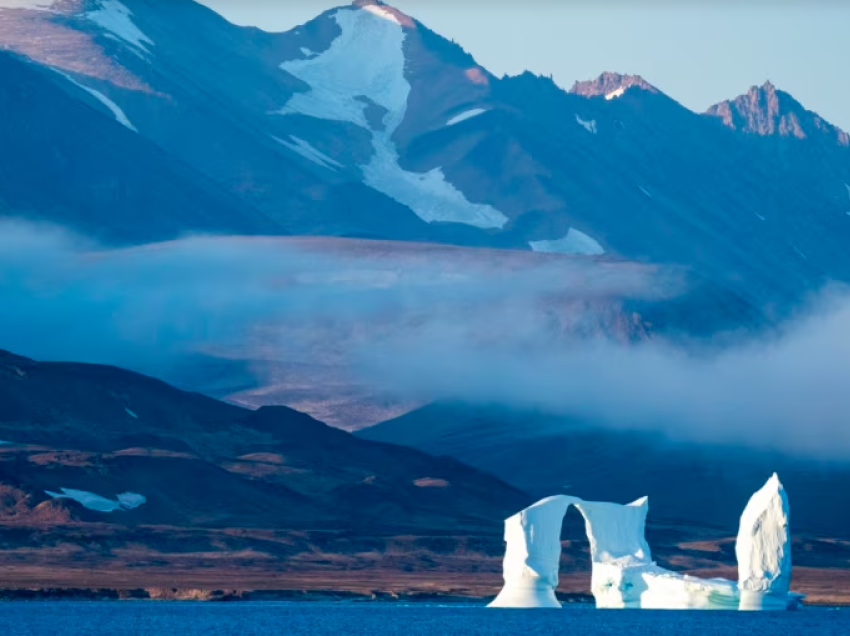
252	596
183	595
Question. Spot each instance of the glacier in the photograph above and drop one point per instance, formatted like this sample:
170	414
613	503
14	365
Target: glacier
623	574
367	60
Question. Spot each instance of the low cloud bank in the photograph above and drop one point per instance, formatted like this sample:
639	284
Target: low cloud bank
65	298
429	328
787	391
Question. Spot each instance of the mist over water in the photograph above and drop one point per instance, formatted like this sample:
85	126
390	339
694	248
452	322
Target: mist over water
431	328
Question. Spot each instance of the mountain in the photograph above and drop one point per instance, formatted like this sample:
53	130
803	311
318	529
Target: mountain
765	110
319	135
611	85
687	483
203	463
158	68
116	485
66	163
781	130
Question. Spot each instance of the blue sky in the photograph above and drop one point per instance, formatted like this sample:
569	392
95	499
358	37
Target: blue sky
698	51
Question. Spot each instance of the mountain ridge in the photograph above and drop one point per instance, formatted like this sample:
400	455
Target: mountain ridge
766	110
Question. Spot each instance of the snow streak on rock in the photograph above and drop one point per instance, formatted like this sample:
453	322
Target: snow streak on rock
367	60
116	18
306	150
103	99
464	116
589	126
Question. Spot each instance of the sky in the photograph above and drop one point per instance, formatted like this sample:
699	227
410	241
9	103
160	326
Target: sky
697	51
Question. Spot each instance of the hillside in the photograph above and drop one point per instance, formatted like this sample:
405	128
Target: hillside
202	463
700	484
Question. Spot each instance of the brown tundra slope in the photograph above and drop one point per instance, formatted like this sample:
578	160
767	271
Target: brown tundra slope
238	502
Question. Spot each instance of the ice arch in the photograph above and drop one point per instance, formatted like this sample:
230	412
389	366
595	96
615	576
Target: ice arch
623	572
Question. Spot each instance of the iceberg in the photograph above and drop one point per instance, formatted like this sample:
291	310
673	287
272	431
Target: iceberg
532	555
763	549
623	573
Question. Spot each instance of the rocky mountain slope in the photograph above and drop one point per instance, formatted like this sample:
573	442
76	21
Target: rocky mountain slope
318	134
66	163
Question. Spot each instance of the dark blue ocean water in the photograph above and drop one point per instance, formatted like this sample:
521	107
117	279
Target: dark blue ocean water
313	619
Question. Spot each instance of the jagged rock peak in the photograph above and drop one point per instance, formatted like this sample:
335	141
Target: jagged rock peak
611	85
765	110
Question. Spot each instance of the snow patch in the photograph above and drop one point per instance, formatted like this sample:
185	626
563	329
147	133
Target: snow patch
645	191
33	5
575	242
615	94
381	13
103	99
848	189
759	216
131	413
130	500
307	151
589	126
367	60
467	115
307	52
116	18
124	501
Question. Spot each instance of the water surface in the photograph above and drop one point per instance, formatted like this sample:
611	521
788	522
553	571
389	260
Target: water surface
142	618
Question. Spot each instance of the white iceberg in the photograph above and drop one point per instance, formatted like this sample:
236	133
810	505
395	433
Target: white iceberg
763	549
533	538
623	572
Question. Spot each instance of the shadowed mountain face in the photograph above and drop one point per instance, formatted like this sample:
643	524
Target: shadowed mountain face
200	462
365	123
703	484
66	163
